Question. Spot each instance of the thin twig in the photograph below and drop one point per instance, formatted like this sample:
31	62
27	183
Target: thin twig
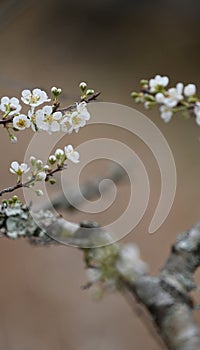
29	182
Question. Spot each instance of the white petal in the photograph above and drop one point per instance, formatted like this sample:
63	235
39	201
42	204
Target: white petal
47	110
14	101
57	115
15	166
5	100
55	126
26	93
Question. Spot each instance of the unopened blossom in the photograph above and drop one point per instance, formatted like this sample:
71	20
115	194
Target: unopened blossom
157	82
48	121
59	153
34	98
19	169
10	105
190	90
41	176
71	154
21	122
39	193
174	96
56	91
78	118
52	159
166	113
83	86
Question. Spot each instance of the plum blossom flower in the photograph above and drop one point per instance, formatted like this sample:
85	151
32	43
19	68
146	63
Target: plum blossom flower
10	105
47	120
174	96
66	125
166	113
34	98
157	82
190	90
78	118
160	98
21	122
71	154
19	169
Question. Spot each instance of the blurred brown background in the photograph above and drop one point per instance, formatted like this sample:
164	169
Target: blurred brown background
112	44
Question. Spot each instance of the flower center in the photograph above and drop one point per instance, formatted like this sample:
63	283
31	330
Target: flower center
48	118
76	120
21	123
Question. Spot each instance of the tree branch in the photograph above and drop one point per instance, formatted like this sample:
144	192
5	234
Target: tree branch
165	296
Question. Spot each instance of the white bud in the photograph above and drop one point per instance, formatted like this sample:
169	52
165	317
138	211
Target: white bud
46	168
39	193
32	160
83	86
41	176
39	164
13	138
59	153
56	91
52	159
190	90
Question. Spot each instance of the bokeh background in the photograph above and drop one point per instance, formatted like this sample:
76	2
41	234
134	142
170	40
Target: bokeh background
111	44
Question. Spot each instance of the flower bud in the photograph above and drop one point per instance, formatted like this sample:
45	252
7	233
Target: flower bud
83	86
39	193
52	159
41	176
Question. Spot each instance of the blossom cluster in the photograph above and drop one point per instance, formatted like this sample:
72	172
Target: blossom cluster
170	99
47	118
39	171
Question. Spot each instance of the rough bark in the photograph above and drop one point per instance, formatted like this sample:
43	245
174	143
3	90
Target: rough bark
165	296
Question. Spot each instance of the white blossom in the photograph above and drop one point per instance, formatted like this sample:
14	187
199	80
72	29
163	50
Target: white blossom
71	154
34	98
160	98
48	121
21	122
158	81
41	176
65	125
19	169
166	113
190	90
174	96
78	118
10	105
